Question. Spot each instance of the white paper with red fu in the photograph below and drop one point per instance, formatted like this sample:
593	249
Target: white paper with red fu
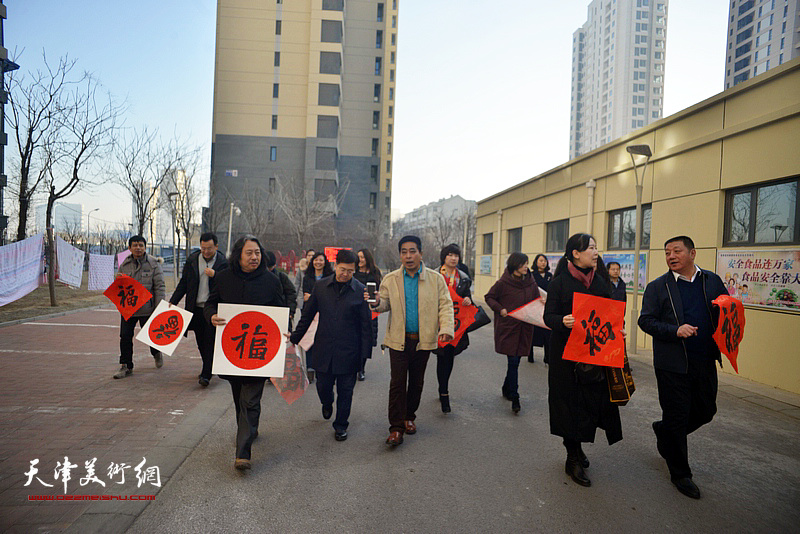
251	342
532	312
165	327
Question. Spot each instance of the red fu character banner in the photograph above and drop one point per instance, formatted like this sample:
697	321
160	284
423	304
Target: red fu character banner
330	253
463	316
165	327
127	294
294	382
596	337
251	342
730	327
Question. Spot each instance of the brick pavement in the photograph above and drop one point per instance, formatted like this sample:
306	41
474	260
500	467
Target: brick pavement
58	400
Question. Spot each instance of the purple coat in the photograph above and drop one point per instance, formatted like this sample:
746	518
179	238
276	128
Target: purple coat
512	337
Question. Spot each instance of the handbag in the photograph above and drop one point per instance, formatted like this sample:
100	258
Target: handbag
481	319
620	384
587	373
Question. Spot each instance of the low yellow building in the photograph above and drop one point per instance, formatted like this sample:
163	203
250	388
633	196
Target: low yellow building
725	172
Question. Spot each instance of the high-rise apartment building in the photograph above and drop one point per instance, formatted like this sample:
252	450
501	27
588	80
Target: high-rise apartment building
761	34
617	71
303	125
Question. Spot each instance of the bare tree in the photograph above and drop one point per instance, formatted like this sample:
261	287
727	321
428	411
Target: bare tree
181	195
71	232
306	211
82	131
35	107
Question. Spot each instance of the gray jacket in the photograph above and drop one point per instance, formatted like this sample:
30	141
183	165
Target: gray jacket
147	272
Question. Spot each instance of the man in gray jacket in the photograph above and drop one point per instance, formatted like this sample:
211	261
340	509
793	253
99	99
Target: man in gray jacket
147	271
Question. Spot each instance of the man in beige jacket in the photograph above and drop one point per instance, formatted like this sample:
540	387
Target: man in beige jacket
421	314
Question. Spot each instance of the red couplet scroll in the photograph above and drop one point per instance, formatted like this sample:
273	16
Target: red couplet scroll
463	316
127	294
294	381
730	327
596	337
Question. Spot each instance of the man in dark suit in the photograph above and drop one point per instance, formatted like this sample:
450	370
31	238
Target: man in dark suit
677	311
343	338
196	283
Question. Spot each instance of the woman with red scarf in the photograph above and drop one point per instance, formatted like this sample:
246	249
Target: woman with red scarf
578	393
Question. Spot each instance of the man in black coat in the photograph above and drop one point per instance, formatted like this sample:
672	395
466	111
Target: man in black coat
677	311
196	284
618	291
343	338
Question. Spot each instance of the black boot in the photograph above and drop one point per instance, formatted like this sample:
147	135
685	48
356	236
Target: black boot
445	400
515	406
574	469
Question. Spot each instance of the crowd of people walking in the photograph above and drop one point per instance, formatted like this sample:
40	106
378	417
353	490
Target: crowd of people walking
346	298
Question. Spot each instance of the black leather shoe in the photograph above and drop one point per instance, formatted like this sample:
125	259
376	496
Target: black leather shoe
515	406
203	381
361	377
583	459
687	487
445	400
575	471
327	411
340	436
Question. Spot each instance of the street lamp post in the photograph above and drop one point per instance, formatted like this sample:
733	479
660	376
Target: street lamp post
637	150
174	248
230	225
88	233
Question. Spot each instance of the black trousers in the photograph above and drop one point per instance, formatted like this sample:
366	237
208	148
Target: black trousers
247	400
126	340
688	401
345	384
445	358
204	333
405	387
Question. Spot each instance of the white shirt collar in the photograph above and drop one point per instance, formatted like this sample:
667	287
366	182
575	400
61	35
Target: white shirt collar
680	276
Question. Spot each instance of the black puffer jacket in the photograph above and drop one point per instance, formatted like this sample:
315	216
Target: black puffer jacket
234	286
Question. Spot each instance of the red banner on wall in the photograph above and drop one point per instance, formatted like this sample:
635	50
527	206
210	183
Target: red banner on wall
730	327
596	337
463	316
330	253
127	294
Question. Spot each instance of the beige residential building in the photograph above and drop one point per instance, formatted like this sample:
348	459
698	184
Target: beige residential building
303	119
725	172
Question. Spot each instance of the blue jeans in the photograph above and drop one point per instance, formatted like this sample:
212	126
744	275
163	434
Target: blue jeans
511	383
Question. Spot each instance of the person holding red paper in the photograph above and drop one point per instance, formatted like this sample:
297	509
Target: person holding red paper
459	282
512	338
677	311
578	393
146	270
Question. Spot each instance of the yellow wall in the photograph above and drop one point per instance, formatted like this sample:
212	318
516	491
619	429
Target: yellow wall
746	135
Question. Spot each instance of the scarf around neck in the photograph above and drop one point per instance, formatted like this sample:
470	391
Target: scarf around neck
578	274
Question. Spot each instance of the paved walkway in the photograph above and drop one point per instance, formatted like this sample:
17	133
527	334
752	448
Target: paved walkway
478	469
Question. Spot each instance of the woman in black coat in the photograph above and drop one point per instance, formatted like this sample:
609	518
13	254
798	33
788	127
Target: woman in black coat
246	281
318	268
578	396
512	337
459	281
366	272
542	276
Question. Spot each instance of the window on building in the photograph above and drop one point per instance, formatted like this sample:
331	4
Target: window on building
275	89
394	39
379	39
273	153
377	66
391	58
621	225
272	187
391	112
278	27
376	119
376	96
387	201
331	31
487	243
373	173
375	144
373	201
391	75
388	166
515	240
274	122
328	94
763	214
277	61
390	130
326	158
330	63
391	94
380	12
333	5
324	189
557	233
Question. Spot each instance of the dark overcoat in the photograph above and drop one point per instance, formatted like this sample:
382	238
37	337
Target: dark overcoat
344	332
576	410
512	337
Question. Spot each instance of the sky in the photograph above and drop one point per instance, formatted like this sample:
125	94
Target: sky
483	88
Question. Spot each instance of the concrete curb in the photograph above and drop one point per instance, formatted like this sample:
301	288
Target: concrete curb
51	315
765	396
104	517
